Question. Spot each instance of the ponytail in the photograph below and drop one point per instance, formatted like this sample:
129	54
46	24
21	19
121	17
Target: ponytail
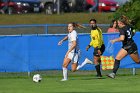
76	25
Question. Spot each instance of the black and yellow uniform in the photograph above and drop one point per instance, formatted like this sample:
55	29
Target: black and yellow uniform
97	41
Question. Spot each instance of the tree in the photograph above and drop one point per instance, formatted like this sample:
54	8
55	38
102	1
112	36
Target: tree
130	9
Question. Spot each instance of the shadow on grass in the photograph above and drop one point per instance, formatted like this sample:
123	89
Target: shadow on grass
93	78
89	78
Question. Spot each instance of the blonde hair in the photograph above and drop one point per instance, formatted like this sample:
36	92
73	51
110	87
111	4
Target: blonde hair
124	19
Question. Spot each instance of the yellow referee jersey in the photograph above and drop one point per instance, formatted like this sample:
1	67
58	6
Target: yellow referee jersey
96	38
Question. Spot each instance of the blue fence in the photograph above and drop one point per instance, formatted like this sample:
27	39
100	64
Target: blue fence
40	52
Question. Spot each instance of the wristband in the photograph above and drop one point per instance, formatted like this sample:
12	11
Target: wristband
89	46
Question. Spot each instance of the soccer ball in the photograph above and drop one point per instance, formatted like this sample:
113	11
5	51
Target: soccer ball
37	78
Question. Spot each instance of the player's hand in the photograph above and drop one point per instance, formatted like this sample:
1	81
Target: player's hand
60	42
112	41
99	52
87	48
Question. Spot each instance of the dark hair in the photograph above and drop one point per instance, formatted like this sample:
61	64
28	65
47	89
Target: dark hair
112	23
75	24
93	20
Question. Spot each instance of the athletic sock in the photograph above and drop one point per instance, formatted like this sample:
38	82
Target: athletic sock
65	72
80	66
98	70
116	66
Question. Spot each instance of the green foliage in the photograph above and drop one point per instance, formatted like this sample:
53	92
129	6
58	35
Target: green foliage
130	9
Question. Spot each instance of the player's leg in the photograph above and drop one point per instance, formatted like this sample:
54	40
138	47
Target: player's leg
135	58
121	54
74	66
86	61
97	59
97	63
65	70
75	59
133	51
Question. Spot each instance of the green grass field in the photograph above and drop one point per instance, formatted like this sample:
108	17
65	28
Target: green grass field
82	18
79	82
102	18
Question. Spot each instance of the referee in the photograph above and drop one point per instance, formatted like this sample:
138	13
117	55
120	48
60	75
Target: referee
97	43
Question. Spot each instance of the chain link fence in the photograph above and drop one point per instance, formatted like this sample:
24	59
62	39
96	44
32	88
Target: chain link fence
44	29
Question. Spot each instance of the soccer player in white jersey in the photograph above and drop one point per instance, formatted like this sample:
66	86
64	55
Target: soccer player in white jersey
73	52
72	55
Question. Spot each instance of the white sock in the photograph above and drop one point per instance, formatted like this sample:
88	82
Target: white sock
65	72
80	66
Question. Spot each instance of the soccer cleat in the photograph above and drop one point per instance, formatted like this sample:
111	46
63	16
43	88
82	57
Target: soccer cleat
88	61
64	79
111	75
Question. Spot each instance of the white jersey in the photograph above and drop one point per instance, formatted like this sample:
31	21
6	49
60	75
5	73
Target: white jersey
72	36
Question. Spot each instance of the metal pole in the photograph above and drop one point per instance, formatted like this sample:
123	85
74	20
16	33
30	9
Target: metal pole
58	7
134	71
46	29
29	74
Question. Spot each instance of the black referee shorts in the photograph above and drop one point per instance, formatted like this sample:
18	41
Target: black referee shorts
102	49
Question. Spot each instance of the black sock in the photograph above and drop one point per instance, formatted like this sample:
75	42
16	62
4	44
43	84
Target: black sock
98	70
116	66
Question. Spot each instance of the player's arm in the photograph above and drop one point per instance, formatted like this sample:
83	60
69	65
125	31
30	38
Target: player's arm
93	35
121	38
64	39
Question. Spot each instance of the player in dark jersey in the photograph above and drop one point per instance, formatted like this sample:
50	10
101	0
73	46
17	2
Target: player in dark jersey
129	46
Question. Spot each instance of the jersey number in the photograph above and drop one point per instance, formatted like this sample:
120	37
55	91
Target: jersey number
129	34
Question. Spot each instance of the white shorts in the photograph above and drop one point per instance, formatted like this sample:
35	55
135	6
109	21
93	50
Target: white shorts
74	57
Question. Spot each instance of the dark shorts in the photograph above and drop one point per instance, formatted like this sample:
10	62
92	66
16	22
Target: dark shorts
131	49
102	49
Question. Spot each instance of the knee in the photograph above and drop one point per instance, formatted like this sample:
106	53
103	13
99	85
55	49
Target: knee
73	70
118	58
96	62
64	65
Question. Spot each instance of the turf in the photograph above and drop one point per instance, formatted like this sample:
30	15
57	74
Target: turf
102	18
82	18
77	83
